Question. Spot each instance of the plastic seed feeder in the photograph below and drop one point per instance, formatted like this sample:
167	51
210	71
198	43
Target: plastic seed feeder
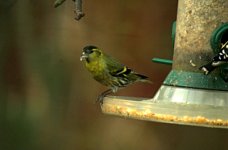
187	96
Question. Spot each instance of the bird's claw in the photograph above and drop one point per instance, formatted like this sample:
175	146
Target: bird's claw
205	71
100	99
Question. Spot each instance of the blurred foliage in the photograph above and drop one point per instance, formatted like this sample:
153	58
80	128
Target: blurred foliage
46	95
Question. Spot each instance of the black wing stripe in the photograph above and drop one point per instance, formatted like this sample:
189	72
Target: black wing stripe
122	72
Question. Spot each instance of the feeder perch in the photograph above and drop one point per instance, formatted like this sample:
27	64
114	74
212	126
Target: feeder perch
187	96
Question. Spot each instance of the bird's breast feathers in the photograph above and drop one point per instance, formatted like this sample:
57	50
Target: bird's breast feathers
96	67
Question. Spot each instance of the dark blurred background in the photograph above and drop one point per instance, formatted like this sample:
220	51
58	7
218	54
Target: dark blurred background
47	97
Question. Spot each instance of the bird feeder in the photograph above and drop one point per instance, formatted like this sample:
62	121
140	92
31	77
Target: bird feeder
187	96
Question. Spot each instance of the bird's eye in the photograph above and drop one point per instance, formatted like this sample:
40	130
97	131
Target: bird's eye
91	51
88	51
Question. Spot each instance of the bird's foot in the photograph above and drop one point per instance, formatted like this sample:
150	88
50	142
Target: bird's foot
100	99
205	70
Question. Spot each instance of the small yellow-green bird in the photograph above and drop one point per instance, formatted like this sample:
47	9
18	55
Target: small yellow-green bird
108	71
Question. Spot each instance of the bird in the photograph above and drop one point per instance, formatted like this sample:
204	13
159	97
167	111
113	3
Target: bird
109	71
218	60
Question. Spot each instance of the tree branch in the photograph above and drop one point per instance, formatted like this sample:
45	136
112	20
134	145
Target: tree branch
78	8
58	3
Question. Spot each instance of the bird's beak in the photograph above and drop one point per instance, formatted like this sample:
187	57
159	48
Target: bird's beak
83	56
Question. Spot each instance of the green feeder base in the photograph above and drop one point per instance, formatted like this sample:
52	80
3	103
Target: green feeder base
196	80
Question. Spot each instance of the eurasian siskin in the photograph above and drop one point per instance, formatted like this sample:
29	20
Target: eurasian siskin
108	71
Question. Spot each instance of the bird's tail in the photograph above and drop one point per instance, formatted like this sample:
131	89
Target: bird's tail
143	78
207	68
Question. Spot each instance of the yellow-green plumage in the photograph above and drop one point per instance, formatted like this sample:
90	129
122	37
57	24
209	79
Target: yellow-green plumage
108	71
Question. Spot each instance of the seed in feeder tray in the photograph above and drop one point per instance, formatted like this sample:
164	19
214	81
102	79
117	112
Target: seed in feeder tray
149	115
146	112
129	110
170	118
200	119
219	122
186	119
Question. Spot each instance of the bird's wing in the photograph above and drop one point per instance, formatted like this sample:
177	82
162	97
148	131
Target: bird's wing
114	67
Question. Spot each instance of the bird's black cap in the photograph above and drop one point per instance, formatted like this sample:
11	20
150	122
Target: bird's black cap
88	49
